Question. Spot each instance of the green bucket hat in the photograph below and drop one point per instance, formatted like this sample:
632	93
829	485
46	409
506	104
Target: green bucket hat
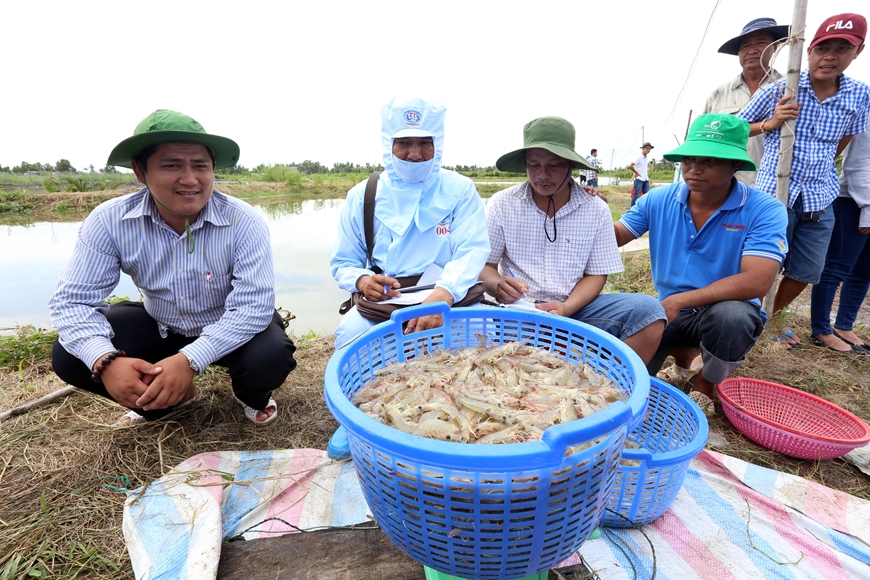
554	134
718	136
163	126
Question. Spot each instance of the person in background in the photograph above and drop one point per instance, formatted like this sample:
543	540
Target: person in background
423	215
715	247
830	109
640	167
552	241
203	263
592	174
848	259
753	47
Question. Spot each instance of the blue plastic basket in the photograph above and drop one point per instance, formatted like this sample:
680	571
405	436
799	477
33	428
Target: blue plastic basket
672	432
487	511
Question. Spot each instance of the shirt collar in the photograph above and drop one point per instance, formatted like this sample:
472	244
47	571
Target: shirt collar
736	199
147	207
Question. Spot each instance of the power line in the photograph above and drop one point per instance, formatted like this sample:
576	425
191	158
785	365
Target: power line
694	60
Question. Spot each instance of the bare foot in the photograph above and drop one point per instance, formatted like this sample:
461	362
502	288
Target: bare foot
266	413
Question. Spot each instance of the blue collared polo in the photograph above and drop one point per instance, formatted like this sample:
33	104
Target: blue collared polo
749	223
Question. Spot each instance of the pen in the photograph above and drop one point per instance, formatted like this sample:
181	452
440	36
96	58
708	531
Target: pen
386	286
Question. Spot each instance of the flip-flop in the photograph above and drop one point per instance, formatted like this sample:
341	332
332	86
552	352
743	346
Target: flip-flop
678	376
786	337
849	342
706	403
251	413
854	350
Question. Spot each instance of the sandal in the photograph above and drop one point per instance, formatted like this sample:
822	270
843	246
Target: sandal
850	343
787	338
706	403
251	413
678	376
853	349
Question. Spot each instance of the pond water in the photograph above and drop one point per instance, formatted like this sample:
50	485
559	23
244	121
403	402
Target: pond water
302	234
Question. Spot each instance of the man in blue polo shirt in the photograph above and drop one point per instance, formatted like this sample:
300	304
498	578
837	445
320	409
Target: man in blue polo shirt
715	246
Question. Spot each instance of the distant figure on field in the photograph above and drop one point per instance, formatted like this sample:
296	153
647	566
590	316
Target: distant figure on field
552	241
640	168
754	47
203	263
592	174
715	247
830	108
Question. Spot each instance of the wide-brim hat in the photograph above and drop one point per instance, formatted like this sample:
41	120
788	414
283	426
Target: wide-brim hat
554	134
779	32
164	126
718	136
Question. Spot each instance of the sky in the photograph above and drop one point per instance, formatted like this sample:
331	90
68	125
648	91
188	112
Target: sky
291	80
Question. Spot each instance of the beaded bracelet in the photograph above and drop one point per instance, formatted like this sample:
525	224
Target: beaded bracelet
104	362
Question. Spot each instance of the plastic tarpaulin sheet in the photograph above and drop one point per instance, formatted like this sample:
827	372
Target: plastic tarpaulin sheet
731	520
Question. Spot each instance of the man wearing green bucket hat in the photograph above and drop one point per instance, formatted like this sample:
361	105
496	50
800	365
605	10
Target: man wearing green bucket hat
553	242
715	246
203	264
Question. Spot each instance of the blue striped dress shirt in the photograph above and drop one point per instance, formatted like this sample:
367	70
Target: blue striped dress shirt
223	292
818	131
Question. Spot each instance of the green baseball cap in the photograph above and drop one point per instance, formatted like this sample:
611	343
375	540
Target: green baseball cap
554	134
164	126
718	136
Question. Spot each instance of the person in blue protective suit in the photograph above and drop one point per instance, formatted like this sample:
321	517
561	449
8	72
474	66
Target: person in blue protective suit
424	215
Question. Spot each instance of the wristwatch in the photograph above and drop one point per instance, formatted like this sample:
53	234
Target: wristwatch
191	363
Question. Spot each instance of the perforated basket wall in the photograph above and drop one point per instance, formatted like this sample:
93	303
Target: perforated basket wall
791	421
672	432
487	511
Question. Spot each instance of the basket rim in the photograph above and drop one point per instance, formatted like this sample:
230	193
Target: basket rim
549	450
791	390
684	453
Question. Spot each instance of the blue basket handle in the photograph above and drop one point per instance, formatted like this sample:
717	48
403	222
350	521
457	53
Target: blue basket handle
403	315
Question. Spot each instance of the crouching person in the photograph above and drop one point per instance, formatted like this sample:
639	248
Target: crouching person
203	263
715	246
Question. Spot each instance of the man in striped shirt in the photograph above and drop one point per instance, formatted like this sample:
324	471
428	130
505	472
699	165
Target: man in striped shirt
203	264
830	108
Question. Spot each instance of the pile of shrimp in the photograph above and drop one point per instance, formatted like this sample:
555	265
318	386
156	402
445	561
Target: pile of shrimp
506	393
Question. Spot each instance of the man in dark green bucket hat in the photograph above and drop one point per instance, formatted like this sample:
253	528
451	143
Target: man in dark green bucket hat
202	261
715	246
552	243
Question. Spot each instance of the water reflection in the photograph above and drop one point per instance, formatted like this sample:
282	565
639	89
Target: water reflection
302	233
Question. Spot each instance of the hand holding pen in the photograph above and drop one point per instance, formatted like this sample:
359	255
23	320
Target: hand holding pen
510	289
379	287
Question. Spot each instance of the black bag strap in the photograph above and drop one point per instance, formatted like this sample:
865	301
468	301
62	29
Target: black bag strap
369	230
369	217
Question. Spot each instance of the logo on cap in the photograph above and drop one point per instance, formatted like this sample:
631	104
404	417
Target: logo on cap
413	117
839	25
715	125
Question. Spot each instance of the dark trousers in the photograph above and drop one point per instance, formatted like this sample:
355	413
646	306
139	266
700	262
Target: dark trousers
725	331
847	262
256	368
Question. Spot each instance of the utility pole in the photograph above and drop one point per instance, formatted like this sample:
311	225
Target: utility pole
612	152
783	171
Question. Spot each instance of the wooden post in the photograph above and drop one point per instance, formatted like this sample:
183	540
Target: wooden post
786	146
40	401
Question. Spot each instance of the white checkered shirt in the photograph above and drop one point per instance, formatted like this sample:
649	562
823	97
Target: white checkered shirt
595	162
585	243
818	131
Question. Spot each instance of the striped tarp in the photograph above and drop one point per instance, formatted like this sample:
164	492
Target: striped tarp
731	520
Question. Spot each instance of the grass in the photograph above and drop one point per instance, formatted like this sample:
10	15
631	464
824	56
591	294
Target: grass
58	518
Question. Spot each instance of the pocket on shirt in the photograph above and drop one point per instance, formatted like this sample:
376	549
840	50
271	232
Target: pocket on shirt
833	127
215	290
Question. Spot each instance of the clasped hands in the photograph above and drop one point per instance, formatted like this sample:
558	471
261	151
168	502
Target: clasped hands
138	384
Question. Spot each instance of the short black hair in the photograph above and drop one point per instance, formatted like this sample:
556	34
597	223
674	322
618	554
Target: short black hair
593	151
141	158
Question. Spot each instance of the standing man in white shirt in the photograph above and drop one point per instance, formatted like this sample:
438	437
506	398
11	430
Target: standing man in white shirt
592	174
754	47
640	167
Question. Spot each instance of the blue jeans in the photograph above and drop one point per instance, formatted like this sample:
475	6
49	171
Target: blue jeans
725	331
592	182
847	262
808	236
640	187
621	315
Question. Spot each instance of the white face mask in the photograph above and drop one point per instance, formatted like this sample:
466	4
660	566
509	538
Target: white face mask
412	172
